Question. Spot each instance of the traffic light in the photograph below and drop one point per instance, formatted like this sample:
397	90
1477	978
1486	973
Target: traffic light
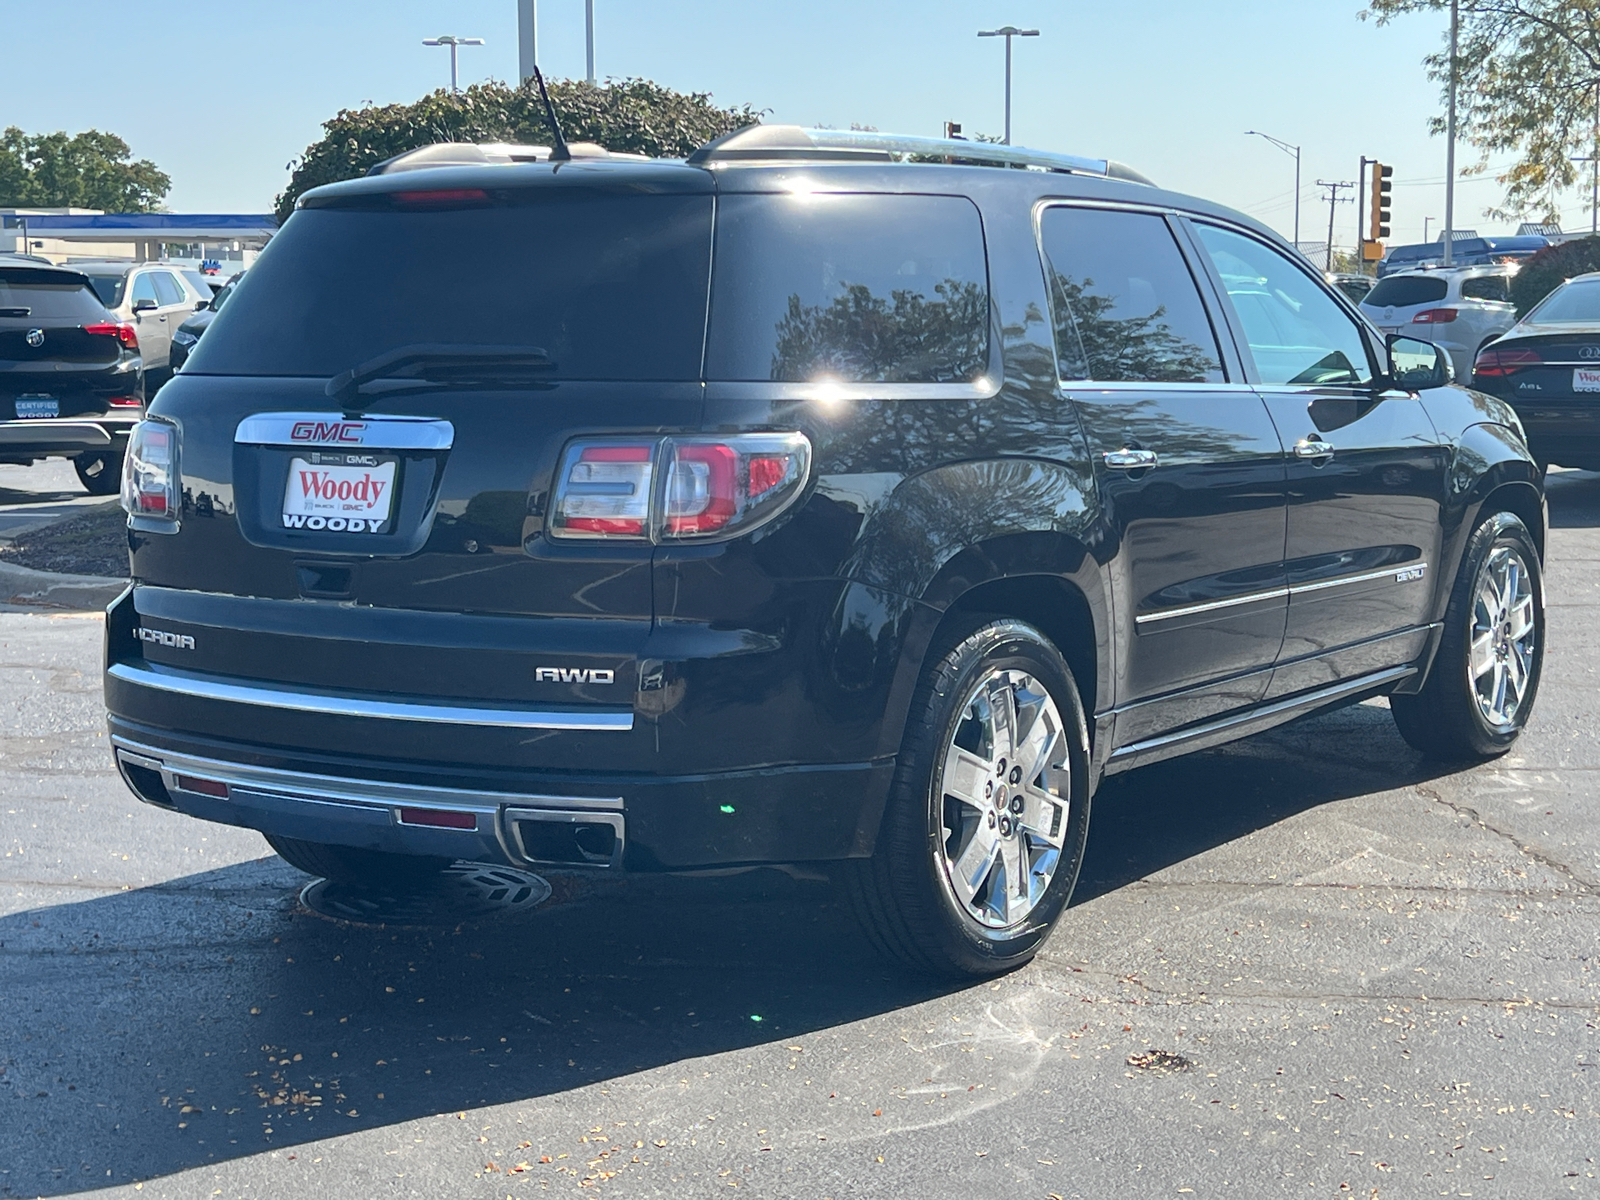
1378	222
952	131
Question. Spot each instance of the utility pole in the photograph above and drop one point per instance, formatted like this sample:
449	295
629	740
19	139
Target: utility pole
1333	203
1450	139
1426	221
451	40
527	38
1008	32
1287	149
588	30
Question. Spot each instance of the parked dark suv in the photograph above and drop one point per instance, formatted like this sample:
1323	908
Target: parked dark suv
794	503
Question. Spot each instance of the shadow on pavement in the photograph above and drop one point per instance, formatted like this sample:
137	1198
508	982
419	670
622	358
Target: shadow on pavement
1574	498
210	1018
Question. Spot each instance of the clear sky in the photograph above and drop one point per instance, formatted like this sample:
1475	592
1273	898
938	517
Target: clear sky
223	95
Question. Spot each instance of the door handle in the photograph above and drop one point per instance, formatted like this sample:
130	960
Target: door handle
1130	460
1313	447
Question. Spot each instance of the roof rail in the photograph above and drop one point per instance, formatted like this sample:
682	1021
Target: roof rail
769	142
474	154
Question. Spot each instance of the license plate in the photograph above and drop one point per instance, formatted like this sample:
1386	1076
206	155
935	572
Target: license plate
1584	379
340	493
31	407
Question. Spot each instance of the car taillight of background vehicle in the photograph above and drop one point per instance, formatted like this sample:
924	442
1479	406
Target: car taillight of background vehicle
150	484
1493	363
676	489
1435	316
123	331
126	401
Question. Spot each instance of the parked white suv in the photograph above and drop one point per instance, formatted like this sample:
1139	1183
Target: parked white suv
154	296
1461	309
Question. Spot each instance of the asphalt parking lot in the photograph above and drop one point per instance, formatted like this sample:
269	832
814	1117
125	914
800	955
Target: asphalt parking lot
1380	979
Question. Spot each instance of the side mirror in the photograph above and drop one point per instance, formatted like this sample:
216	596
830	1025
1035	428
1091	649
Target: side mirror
1417	365
144	305
202	305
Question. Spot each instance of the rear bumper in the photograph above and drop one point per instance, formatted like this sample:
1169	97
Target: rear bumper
62	436
649	823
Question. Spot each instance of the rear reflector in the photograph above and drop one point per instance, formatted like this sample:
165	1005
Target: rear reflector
206	787
439	818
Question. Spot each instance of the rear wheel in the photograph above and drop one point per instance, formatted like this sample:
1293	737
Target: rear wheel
100	473
985	829
349	864
1485	677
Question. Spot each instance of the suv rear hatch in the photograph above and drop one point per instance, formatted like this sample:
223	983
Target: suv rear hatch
59	348
419	353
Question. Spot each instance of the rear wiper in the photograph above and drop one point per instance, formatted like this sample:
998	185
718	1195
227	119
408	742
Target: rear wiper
440	361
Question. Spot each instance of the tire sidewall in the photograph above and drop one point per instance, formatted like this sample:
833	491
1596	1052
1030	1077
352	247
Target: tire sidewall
1007	645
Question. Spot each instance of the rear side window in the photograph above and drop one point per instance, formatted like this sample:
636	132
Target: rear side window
857	288
1487	287
1126	306
1402	291
47	296
144	287
608	286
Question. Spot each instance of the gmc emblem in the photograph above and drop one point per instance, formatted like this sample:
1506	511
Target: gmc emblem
573	675
346	432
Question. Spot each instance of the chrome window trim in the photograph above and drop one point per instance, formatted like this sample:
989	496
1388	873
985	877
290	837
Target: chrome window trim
210	687
1278	593
388	432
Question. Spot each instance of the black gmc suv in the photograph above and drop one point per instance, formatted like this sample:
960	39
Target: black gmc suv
819	498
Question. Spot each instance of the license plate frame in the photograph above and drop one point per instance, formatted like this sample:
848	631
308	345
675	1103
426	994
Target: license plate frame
37	406
316	500
1586	379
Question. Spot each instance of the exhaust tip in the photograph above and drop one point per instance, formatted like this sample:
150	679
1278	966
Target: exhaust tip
563	837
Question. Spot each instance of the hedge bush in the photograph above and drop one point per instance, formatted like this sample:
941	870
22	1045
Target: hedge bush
628	115
1542	273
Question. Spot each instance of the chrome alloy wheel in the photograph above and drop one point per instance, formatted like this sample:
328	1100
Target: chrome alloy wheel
1004	791
1504	637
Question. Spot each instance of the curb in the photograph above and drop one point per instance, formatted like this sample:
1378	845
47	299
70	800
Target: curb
24	585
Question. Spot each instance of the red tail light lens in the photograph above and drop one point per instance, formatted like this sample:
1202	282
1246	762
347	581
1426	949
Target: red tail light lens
1435	316
1496	363
123	331
150	482
125	401
677	489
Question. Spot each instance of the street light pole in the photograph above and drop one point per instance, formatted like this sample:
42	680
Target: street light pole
527	38
1287	149
588	29
1008	32
1450	142
451	40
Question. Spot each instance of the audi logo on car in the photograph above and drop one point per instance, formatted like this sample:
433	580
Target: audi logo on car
573	675
35	338
1589	352
344	432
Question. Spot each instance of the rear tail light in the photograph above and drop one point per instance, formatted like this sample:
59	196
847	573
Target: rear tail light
150	483
1496	363
677	489
125	401
1435	316
123	331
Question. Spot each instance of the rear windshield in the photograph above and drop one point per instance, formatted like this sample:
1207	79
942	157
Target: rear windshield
607	286
855	288
109	288
1571	302
1401	291
47	296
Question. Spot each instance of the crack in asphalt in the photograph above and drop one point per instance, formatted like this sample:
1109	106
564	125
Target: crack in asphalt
1543	857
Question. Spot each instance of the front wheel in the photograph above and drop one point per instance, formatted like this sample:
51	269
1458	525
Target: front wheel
100	474
1485	676
989	810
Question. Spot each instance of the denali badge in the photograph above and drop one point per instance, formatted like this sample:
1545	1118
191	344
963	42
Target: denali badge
178	641
573	675
1410	573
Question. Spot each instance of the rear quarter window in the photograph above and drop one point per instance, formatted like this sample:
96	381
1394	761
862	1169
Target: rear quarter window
1487	287
855	288
1402	291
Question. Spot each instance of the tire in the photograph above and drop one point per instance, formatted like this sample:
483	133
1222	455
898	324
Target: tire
348	864
100	474
906	895
1458	716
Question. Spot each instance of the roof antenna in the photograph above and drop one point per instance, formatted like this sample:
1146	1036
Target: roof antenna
559	153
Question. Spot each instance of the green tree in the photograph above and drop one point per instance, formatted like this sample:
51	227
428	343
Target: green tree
1528	73
86	170
628	115
1547	270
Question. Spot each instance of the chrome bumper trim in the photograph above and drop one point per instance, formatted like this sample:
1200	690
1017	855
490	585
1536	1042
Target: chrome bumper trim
213	687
